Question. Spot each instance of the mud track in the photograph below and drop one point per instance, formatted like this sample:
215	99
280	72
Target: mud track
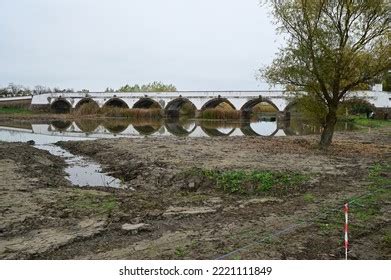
174	213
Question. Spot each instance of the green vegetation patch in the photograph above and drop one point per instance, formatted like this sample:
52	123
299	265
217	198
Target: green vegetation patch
243	182
364	209
85	201
373	123
15	110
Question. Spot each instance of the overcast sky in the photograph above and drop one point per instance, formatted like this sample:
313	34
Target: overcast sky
94	44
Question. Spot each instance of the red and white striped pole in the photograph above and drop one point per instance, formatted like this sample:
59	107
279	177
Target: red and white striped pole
346	210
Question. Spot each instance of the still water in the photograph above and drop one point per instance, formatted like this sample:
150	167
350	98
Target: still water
84	172
54	131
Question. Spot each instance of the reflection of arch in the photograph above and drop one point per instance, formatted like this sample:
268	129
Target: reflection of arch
86	101
249	131
61	125
61	106
87	125
146	103
114	127
116	102
249	105
175	128
213	103
174	107
215	132
146	129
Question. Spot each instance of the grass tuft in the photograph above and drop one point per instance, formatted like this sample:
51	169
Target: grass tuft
258	182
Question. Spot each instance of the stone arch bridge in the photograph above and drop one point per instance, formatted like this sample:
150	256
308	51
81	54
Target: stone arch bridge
172	102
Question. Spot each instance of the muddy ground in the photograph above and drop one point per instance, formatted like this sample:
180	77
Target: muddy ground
171	210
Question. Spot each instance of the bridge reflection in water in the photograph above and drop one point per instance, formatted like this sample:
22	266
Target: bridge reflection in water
179	128
109	128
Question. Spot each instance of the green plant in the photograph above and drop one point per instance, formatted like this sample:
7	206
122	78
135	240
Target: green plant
308	197
331	48
180	252
242	182
93	203
15	110
387	239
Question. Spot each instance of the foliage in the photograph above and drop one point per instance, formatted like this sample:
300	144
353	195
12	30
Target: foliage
243	182
19	90
151	87
312	108
387	81
332	47
357	106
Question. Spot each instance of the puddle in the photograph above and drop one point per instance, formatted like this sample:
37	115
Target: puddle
82	172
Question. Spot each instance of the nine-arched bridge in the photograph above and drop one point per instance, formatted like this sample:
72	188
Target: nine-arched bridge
172	102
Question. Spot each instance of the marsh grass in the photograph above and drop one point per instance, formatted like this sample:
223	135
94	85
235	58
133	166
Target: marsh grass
220	114
90	109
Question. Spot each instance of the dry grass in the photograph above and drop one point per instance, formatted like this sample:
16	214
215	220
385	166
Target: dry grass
87	109
221	114
90	109
264	107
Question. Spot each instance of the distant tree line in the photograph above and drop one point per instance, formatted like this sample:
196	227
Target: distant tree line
151	87
13	90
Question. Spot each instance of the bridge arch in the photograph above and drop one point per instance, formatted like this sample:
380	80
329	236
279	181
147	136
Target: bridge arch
84	101
147	103
249	105
173	108
213	103
116	102
61	106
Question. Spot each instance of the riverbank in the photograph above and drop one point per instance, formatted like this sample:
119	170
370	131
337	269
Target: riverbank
200	198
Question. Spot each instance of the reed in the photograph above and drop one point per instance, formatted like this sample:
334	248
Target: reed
220	114
87	109
91	109
114	112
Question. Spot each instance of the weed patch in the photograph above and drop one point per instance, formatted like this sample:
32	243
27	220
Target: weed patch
255	182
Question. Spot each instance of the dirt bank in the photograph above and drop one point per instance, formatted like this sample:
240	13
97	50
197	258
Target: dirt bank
179	210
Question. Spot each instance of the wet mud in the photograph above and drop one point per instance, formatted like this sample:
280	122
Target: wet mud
173	212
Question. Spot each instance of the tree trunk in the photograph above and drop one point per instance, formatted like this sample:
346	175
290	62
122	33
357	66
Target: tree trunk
328	129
